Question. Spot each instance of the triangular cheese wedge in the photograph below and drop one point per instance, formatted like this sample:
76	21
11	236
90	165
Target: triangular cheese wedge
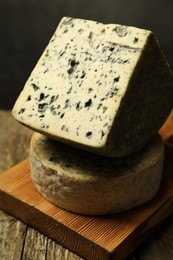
103	88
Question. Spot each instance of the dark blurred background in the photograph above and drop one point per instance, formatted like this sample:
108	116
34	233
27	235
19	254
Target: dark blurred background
26	27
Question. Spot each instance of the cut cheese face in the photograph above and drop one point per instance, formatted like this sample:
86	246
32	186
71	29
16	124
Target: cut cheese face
90	81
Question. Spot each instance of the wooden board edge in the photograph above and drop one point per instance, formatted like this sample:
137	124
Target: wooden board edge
51	228
144	230
85	248
62	234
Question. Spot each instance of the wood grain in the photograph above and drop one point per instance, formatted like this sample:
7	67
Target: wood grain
90	237
11	230
14	147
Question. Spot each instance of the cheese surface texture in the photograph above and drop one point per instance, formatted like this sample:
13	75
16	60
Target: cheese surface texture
81	182
104	88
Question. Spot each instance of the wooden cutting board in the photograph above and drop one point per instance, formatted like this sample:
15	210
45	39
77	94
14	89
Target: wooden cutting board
102	237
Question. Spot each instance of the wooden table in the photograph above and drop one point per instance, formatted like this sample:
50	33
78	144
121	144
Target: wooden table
19	241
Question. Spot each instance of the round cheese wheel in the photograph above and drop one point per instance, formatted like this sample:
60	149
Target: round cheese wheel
84	183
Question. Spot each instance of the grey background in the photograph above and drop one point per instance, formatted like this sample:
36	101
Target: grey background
26	27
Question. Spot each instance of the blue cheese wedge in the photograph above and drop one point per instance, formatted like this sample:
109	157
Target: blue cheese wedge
80	182
106	88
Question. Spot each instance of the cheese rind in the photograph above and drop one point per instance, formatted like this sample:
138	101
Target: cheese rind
84	183
92	84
